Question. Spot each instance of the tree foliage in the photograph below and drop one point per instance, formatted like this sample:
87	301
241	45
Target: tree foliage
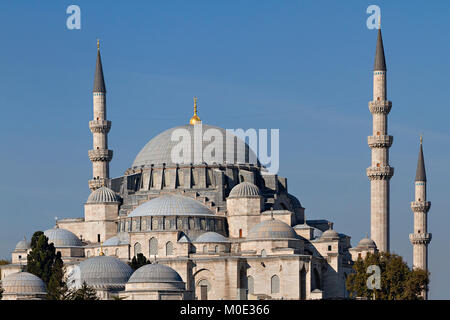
398	281
44	262
138	261
84	293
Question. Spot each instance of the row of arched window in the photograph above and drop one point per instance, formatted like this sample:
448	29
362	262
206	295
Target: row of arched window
153	248
171	223
274	284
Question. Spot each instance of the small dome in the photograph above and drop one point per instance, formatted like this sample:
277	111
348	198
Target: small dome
23	283
104	272
211	237
62	238
22	245
169	205
116	241
330	234
155	272
245	190
103	195
272	229
367	243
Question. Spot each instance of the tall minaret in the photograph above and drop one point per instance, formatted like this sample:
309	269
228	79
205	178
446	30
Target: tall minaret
420	206
380	172
99	155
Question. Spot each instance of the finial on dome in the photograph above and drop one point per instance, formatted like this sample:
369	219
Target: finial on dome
330	225
195	118
421	138
98	44
101	250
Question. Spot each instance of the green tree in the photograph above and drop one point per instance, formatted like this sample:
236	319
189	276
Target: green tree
398	281
44	262
84	293
138	261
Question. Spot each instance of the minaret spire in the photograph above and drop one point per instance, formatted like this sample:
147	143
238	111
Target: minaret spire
380	172
100	155
420	207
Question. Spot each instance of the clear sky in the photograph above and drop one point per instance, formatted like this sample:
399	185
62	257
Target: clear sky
304	67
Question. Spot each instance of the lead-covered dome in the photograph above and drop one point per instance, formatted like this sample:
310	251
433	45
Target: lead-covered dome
367	243
245	190
23	283
158	150
330	234
22	245
272	229
155	272
167	205
103	195
62	238
104	272
211	237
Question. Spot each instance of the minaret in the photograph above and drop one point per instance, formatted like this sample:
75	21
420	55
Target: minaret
99	155
380	172
420	206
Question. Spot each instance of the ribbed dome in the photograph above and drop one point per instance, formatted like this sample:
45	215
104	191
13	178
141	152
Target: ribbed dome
23	283
272	229
22	245
158	150
245	190
103	195
62	238
155	273
367	243
211	237
104	271
330	234
167	205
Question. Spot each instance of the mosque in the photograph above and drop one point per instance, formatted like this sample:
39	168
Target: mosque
213	230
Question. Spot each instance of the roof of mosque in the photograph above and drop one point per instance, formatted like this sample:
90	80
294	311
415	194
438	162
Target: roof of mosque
211	237
22	245
272	229
62	238
245	189
104	271
159	149
155	272
167	205
103	195
23	283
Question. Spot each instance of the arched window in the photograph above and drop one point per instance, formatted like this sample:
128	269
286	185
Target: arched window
153	245
263	253
204	288
275	284
169	248
137	248
205	249
106	252
117	252
216	249
250	285
88	253
317	284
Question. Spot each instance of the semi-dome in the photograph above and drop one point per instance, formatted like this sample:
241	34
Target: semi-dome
272	229
155	272
330	234
159	149
23	283
104	272
245	190
211	237
22	245
103	195
367	243
168	205
62	238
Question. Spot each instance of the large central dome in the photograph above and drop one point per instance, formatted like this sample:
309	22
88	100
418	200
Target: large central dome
159	149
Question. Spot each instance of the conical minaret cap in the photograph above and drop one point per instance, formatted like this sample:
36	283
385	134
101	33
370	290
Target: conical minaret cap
420	172
380	61
99	81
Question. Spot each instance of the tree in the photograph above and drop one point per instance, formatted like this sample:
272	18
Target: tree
398	281
44	262
84	293
138	261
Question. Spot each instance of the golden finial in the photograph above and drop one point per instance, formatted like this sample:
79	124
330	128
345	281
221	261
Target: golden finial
98	44
379	21
195	119
421	138
101	250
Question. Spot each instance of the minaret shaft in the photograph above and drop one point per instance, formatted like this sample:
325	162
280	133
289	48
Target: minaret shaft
380	172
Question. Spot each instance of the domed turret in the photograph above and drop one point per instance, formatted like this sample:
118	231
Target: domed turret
103	195
367	243
330	234
62	238
22	245
245	190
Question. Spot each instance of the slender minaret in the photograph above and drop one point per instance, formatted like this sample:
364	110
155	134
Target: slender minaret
99	155
380	172
420	206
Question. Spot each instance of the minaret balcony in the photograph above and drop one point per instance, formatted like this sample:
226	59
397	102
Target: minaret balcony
100	155
97	183
380	106
382	141
380	173
100	126
420	206
420	238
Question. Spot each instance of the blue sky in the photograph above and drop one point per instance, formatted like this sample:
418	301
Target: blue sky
304	67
